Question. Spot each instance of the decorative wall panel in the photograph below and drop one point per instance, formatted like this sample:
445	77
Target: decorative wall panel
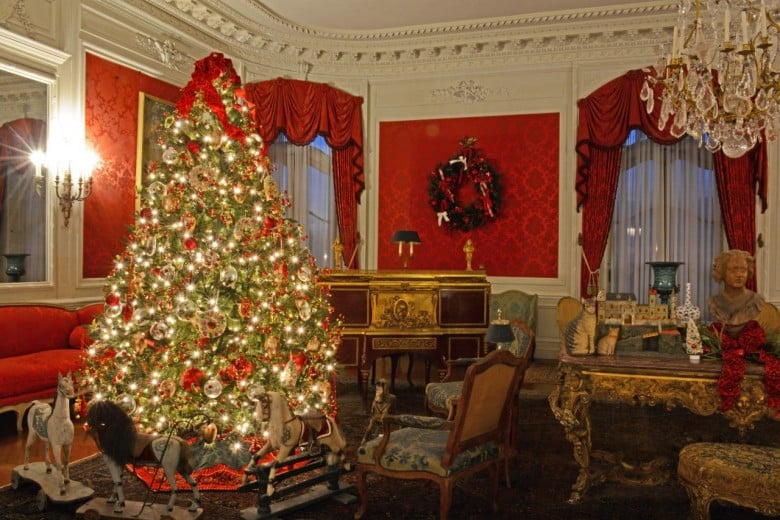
523	150
111	111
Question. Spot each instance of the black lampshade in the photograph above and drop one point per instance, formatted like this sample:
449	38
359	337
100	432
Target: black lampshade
406	236
499	333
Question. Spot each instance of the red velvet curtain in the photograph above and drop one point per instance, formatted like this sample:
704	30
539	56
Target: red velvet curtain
302	110
605	119
18	138
737	187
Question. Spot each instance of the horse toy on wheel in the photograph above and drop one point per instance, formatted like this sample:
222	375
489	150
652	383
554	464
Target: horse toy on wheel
116	437
53	426
287	431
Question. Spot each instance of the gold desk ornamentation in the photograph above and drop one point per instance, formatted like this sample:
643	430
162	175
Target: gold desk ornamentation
338	253
469	250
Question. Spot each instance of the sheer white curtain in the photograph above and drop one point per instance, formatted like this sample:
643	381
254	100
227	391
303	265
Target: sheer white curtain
306	173
666	209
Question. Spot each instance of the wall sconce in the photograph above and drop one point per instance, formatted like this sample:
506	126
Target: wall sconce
76	182
499	332
406	236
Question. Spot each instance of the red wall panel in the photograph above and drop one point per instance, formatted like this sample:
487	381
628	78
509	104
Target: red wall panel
111	112
522	149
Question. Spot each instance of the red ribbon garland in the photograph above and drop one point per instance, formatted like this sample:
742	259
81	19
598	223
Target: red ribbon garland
749	341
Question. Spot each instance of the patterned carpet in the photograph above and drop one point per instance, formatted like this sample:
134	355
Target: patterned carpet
541	476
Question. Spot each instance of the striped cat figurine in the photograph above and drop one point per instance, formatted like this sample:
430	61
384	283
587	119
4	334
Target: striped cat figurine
581	331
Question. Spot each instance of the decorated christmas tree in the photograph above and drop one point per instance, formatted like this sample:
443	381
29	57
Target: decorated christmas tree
214	299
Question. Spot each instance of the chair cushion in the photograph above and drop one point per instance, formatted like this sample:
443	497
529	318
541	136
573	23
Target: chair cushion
419	449
439	394
741	469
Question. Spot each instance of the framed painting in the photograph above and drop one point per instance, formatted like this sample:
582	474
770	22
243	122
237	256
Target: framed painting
151	114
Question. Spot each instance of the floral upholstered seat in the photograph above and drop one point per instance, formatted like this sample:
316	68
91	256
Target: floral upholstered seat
421	446
742	474
478	437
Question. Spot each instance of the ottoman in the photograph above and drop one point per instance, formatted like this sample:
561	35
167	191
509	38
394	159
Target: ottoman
742	474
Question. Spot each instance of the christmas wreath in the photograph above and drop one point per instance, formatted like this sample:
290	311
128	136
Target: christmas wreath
445	184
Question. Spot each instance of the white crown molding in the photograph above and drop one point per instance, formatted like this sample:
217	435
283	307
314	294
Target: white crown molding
258	36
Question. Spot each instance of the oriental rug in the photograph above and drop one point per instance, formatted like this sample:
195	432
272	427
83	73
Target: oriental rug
541	476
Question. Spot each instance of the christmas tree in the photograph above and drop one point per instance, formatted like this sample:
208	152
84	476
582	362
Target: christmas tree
215	298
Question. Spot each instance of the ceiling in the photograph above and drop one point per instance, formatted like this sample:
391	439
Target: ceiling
369	15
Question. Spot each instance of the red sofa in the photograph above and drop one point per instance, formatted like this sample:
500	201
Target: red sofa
37	342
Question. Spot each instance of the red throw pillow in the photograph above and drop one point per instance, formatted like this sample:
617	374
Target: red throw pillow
79	337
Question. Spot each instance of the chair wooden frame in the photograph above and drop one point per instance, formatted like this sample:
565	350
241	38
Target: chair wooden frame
484	415
456	370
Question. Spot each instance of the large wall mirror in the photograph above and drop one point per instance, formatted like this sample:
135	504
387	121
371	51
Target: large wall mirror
30	73
24	235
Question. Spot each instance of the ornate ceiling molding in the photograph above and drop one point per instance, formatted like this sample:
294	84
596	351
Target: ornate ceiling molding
163	51
468	92
259	36
17	10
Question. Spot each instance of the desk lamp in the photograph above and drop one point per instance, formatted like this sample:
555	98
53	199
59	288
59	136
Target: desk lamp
499	332
406	236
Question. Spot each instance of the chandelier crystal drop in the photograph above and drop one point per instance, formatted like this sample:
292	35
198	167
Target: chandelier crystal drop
720	81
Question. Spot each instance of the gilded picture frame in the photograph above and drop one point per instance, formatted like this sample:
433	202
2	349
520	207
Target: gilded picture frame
151	113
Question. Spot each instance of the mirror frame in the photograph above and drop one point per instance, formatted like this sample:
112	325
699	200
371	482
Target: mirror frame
36	61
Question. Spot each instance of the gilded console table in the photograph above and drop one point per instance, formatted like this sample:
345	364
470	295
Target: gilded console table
642	380
439	315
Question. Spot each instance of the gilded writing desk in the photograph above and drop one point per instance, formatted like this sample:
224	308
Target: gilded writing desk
649	379
438	315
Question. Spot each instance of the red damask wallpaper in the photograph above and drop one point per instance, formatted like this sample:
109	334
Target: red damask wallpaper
111	113
522	149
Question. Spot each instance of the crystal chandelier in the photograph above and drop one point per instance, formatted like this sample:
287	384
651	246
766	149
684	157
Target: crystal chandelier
720	82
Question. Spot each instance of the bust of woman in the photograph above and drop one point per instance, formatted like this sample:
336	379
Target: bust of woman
735	305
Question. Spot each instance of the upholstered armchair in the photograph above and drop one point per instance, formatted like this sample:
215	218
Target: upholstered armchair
519	308
478	437
440	397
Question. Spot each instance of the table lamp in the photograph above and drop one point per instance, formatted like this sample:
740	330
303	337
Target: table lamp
405	236
499	332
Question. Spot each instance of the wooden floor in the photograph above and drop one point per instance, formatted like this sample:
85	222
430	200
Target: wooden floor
12	443
12	446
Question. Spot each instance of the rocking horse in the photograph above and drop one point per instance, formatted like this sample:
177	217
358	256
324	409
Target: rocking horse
116	437
53	426
287	431
380	407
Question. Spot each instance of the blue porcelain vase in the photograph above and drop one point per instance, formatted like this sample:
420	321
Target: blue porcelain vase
665	278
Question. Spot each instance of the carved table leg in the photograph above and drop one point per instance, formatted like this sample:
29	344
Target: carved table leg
570	404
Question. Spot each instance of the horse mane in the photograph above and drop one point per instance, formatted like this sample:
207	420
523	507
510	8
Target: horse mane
114	429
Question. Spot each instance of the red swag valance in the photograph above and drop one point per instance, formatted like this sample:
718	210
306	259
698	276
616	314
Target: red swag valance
302	110
605	119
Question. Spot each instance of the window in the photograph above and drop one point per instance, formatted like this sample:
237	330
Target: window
305	173
666	209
